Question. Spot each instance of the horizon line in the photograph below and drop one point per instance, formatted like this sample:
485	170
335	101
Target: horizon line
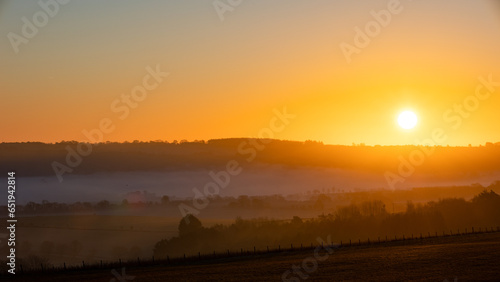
203	141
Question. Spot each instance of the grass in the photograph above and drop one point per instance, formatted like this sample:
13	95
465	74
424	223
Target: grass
465	257
98	235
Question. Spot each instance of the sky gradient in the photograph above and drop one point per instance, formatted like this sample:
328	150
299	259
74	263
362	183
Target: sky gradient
226	77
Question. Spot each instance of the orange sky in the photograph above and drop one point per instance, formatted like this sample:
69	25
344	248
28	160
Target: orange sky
226	77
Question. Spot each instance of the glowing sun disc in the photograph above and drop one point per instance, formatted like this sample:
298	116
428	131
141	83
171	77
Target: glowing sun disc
407	120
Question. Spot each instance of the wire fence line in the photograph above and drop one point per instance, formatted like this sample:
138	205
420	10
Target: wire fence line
242	253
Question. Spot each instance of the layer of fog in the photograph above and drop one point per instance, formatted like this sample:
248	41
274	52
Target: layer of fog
255	180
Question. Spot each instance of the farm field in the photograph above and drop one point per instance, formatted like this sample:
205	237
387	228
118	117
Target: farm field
463	257
100	237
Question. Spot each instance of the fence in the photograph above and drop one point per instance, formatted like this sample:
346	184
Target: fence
207	257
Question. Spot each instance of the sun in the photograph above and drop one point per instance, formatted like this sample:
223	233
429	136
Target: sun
407	119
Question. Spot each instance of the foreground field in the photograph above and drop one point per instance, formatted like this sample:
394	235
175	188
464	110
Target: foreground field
101	237
463	257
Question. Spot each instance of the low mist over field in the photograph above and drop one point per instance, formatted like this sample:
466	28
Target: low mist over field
112	171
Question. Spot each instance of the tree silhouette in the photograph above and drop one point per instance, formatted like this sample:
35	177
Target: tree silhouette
189	225
165	200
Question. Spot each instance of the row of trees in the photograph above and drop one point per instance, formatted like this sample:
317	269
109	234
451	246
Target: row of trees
366	220
37	158
137	200
56	207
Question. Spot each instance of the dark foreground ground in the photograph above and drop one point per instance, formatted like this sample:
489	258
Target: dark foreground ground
473	257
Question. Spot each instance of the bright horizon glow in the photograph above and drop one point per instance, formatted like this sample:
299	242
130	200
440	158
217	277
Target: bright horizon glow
227	77
407	120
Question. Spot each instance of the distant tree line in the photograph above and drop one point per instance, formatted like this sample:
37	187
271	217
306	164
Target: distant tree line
35	158
369	219
78	207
